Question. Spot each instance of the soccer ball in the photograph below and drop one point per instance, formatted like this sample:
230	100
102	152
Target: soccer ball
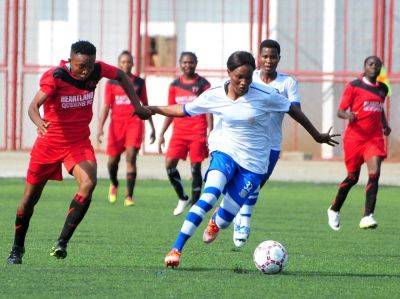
270	257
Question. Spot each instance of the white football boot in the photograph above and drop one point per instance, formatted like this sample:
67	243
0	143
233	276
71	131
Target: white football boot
240	233
180	207
368	222
333	219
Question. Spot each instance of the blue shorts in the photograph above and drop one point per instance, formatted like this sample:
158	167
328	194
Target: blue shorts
241	183
273	159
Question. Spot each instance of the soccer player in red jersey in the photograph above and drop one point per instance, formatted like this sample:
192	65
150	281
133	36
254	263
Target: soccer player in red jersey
189	135
66	94
363	141
126	131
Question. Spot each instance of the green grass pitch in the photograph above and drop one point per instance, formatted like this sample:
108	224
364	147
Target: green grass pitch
118	251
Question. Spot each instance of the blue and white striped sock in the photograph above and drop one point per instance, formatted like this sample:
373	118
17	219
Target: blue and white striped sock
213	187
247	209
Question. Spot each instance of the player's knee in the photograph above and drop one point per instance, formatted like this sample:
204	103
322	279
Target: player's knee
88	184
353	177
374	175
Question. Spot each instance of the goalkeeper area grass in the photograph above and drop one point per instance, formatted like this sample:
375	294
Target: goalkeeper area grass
118	251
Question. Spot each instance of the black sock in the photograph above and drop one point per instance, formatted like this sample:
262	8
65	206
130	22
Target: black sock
130	182
197	182
175	179
344	188
76	212
113	172
371	190
21	226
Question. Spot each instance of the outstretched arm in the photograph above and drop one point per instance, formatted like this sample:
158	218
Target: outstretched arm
171	110
127	86
297	114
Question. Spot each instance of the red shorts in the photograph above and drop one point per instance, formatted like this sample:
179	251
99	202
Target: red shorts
124	134
179	147
357	151
46	160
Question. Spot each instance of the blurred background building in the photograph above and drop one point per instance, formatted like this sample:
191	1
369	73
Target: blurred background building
324	44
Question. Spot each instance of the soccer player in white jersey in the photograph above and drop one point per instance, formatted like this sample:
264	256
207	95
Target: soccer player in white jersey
269	56
238	146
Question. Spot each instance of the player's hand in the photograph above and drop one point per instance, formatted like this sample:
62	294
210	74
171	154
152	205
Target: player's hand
161	142
100	134
152	136
352	117
327	138
42	127
143	113
387	130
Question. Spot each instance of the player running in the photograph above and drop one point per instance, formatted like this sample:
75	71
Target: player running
189	135
238	144
126	131
269	57
362	104
66	94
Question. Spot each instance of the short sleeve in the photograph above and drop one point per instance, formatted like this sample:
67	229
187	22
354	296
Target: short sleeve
347	98
108	94
201	105
108	71
171	95
143	95
206	86
292	92
47	83
277	103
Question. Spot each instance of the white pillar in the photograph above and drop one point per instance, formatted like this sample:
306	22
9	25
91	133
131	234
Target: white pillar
273	19
328	66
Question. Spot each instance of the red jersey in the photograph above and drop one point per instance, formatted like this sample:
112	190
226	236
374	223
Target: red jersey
182	92
366	102
116	98
68	107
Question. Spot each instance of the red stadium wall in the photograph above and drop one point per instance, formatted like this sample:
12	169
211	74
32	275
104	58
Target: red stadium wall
116	26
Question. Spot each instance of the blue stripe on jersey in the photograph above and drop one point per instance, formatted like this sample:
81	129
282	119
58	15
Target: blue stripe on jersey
260	90
185	111
212	190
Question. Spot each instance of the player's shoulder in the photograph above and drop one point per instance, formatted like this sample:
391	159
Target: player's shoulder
384	88
176	82
138	80
262	88
355	83
287	78
203	81
112	82
50	72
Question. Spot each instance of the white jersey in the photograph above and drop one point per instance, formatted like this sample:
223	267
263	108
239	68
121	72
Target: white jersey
286	86
241	131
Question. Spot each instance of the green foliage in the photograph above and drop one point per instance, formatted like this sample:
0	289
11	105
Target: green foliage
119	251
